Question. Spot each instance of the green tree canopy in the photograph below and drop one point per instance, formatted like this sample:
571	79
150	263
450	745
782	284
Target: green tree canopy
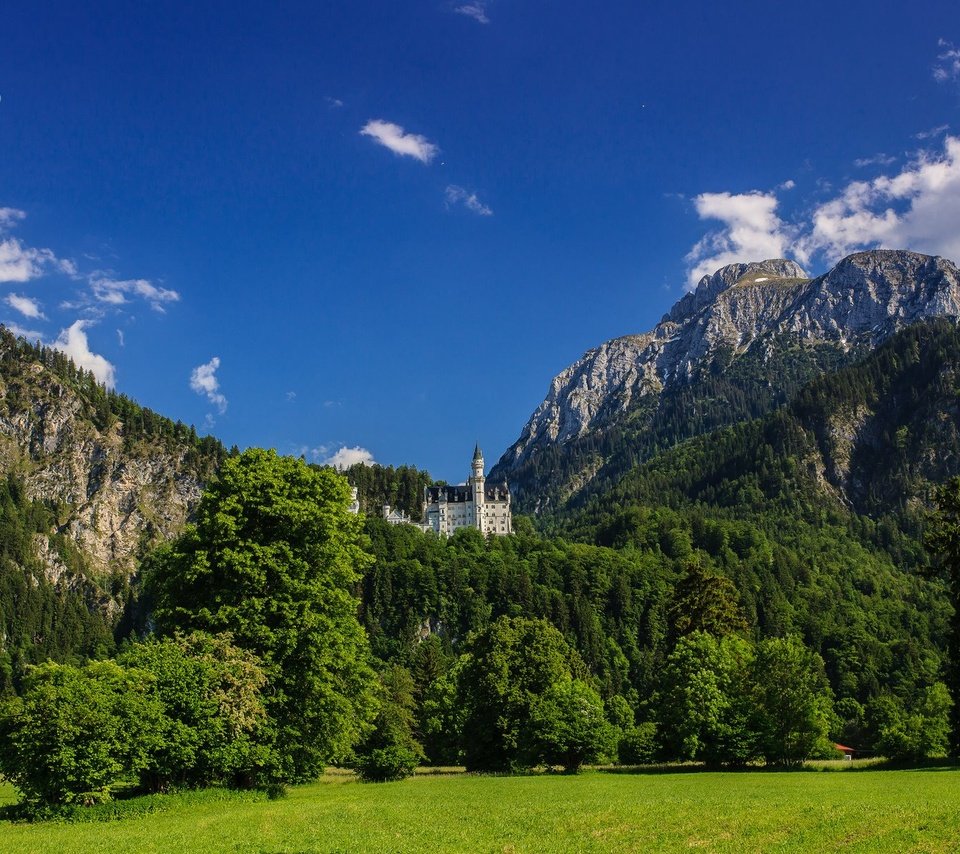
943	538
914	731
705	700
569	727
273	559
510	667
707	602
793	700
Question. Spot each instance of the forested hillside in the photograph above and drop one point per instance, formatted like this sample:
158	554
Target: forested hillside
803	524
719	392
401	487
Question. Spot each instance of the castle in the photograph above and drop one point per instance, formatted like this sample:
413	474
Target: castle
473	504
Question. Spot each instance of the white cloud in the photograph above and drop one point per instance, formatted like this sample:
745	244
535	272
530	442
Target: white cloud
476	10
9	217
458	195
112	291
26	306
19	263
346	457
948	63
399	141
751	231
917	208
333	103
203	380
73	342
880	159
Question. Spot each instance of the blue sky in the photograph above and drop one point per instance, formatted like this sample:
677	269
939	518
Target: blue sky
384	227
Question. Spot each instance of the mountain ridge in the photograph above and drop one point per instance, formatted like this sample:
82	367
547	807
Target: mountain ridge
760	310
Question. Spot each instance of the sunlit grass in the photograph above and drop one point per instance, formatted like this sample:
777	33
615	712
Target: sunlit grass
877	810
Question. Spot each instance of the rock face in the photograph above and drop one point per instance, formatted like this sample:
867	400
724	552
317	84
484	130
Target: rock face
740	308
116	489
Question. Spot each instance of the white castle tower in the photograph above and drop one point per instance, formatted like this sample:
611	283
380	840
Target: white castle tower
477	481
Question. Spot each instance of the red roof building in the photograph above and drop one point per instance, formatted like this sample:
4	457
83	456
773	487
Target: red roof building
846	751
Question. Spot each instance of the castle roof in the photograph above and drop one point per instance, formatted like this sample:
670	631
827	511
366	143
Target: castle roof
464	492
459	492
477	453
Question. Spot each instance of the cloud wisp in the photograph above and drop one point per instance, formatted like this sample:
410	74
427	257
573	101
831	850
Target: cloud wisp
879	159
476	9
9	217
74	343
27	307
346	457
401	143
203	380
19	263
106	289
455	195
947	66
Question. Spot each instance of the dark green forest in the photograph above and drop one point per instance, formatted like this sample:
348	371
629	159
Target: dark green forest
401	487
40	620
721	392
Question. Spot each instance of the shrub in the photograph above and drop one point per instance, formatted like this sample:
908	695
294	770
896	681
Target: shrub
915	732
77	732
214	718
569	728
384	764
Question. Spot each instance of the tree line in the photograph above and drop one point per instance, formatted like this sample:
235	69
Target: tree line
289	634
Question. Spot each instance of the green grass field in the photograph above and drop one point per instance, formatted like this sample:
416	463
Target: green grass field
912	810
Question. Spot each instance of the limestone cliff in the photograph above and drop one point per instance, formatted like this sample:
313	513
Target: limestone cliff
118	477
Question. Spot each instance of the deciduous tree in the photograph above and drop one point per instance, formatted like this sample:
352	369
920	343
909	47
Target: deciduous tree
273	559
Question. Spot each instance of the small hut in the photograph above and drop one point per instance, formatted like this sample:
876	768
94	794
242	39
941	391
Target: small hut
846	751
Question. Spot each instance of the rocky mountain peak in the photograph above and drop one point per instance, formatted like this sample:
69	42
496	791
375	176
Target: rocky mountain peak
709	287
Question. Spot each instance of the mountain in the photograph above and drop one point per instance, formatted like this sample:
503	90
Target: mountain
748	338
869	439
90	482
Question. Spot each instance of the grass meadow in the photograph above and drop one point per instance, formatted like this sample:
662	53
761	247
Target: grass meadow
817	810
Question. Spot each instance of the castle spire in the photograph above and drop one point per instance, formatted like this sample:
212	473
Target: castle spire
477	453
